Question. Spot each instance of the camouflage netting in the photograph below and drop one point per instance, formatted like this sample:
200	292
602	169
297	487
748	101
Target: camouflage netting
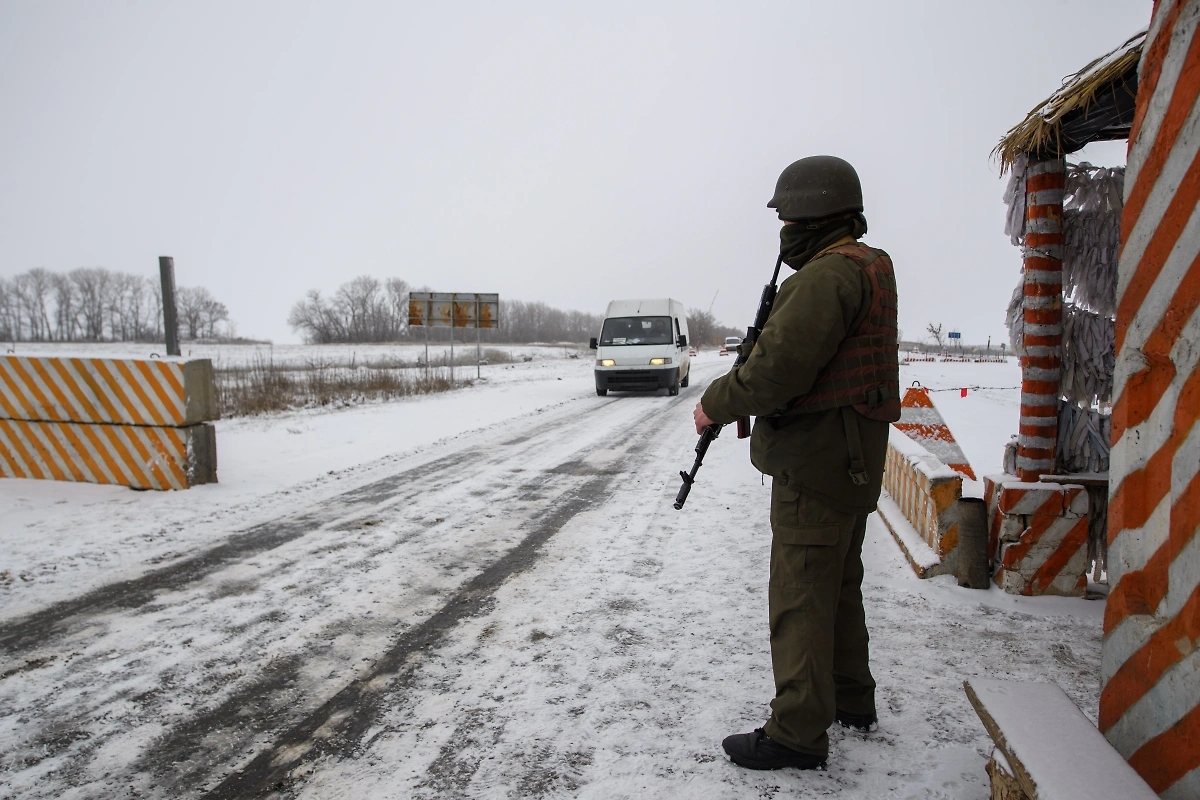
1091	231
1092	236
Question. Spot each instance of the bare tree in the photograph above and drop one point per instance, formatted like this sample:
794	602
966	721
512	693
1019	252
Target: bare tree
200	312
10	323
92	289
93	304
935	333
316	320
702	325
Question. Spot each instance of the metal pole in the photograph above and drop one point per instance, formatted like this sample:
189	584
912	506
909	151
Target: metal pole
427	321
478	339
1041	364
166	271
452	343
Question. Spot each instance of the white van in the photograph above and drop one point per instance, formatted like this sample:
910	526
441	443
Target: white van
643	346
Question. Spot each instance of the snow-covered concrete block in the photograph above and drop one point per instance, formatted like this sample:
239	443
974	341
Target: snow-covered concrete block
925	492
1052	750
1038	536
1043	500
138	456
122	391
137	422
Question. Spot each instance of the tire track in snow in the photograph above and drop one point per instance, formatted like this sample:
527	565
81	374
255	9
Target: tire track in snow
21	635
83	728
338	727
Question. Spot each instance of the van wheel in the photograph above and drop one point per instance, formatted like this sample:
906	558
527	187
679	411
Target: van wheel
602	392
685	380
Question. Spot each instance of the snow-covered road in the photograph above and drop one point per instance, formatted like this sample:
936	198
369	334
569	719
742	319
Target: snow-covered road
513	611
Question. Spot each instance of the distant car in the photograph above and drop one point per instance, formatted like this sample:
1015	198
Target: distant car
732	342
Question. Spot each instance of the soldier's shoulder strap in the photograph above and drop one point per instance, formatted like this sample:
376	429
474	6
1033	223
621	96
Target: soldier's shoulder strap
859	253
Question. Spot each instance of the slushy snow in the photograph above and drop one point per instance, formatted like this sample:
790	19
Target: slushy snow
611	664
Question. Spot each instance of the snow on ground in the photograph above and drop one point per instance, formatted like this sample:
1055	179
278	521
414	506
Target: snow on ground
490	596
229	355
984	420
62	538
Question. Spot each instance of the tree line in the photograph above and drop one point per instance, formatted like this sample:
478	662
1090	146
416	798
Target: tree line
94	304
367	309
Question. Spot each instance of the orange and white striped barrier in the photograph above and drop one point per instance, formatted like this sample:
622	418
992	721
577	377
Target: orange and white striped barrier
141	457
1038	532
921	422
1150	660
132	422
122	391
925	493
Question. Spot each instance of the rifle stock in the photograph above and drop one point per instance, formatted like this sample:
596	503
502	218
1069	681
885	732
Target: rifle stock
765	302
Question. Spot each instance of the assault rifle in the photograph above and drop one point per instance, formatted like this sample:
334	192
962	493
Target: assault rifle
711	432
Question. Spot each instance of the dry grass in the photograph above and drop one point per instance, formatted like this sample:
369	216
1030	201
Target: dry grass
1041	126
263	387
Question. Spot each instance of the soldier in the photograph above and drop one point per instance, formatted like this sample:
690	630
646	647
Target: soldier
823	382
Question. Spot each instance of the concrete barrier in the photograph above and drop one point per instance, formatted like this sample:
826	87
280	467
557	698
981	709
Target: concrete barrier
922	497
132	422
122	391
1037	536
922	422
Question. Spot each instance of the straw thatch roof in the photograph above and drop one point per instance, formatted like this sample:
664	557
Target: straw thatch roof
1094	104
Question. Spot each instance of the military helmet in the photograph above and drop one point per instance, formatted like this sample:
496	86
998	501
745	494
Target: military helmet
817	186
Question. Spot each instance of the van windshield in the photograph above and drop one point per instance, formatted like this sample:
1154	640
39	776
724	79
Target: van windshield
636	330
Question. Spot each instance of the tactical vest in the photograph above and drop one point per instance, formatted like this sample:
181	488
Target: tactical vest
865	370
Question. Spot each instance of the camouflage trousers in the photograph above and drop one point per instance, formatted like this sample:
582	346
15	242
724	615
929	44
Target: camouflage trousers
819	641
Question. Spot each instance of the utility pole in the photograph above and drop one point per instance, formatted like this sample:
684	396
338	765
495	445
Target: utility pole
166	271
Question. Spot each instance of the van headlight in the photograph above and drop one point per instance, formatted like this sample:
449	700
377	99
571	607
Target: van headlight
658	362
606	362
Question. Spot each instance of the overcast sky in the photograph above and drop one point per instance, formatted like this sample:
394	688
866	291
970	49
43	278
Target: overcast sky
569	153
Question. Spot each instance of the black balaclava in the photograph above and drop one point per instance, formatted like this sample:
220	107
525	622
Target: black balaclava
802	240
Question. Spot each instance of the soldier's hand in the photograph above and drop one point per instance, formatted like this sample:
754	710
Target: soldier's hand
702	419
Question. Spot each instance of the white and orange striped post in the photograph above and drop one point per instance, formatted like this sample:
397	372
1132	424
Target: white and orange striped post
1041	366
1150	660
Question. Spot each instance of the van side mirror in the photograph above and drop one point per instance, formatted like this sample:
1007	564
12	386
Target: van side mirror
682	341
592	343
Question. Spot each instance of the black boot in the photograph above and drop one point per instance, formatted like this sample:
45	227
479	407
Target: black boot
863	723
758	751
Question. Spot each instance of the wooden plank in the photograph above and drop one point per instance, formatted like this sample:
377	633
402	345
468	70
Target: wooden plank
1054	750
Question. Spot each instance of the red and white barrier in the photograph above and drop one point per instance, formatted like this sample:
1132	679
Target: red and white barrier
921	422
1150	662
1038	536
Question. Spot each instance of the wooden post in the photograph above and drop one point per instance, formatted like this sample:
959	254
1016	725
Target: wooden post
1041	366
166	271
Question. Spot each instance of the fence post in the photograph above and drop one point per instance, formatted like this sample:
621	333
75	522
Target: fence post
166	271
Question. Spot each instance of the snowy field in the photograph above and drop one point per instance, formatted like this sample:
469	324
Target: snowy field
236	355
484	593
